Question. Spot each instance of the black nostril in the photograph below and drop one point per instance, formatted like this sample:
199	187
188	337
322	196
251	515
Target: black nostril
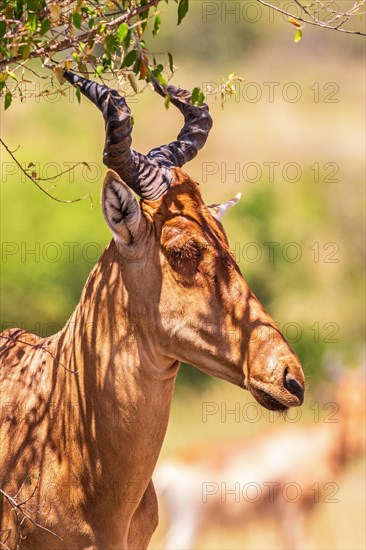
292	385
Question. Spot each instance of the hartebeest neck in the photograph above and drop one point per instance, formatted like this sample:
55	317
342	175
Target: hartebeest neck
122	387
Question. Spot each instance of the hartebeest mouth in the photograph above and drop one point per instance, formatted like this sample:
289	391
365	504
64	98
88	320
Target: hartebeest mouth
276	398
270	402
265	399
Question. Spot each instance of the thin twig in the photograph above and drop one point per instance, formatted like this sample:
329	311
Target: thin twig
316	22
63	172
19	506
304	9
3	545
68	201
39	346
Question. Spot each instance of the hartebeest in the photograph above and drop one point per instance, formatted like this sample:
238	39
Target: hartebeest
85	412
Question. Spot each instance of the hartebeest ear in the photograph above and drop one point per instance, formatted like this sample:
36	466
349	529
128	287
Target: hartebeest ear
120	208
218	210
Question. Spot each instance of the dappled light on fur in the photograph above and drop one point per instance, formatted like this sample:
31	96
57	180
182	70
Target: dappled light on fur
84	412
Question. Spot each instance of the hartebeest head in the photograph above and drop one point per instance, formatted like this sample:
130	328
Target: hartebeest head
199	309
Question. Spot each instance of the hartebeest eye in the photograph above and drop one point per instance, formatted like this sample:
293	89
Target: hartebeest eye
184	256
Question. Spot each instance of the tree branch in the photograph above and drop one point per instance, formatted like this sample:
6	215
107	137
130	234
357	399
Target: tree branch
84	37
315	22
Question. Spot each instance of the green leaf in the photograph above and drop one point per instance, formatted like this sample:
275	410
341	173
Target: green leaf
8	98
24	51
99	70
127	40
157	24
167	102
18	9
78	93
298	35
122	32
201	99
88	10
144	15
136	67
31	4
45	26
77	20
171	66
4	51
109	44
182	10
161	79
129	59
32	23
195	96
106	61
2	28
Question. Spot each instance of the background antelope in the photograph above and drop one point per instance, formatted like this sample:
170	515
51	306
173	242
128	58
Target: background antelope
85	411
280	475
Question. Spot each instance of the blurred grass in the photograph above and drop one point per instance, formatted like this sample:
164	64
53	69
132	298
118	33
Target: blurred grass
336	526
328	527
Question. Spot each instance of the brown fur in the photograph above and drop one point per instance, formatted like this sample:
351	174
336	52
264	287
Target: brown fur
84	412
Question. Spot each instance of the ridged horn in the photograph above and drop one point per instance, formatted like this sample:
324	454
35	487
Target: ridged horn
143	174
192	137
149	176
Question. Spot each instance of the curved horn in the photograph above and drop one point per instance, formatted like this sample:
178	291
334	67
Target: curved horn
192	137
149	176
144	175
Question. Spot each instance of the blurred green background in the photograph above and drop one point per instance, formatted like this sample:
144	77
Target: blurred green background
293	138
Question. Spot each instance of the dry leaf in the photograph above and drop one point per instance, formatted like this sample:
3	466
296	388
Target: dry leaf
132	80
294	22
142	68
55	12
59	72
